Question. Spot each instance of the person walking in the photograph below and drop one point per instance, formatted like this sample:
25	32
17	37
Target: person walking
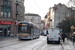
63	37
73	37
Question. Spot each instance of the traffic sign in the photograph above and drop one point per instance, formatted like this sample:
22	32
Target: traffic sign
72	27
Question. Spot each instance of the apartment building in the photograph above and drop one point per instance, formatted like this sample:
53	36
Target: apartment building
47	20
34	18
11	12
58	13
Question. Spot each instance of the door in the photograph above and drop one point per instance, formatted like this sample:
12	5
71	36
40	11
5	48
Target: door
4	30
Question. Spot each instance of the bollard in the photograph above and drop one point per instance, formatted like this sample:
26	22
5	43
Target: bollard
61	42
62	48
73	40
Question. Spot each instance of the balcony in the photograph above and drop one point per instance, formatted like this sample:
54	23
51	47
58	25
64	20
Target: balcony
19	12
18	2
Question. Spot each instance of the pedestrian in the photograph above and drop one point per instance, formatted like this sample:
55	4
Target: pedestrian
70	36
73	37
63	36
46	32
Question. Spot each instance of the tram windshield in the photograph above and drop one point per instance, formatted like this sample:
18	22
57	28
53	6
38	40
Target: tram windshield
22	29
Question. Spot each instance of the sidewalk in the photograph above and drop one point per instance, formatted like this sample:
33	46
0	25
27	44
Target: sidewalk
68	45
6	38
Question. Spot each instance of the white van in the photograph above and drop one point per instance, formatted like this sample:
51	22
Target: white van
53	35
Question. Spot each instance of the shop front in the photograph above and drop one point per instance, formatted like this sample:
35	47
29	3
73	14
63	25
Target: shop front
5	28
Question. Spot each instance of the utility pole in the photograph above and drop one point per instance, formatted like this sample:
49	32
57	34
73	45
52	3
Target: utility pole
65	23
71	30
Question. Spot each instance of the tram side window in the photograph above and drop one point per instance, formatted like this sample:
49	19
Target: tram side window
32	30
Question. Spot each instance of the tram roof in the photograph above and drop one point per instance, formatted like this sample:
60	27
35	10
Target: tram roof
29	23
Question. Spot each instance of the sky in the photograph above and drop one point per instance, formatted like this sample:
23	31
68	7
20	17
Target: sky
41	7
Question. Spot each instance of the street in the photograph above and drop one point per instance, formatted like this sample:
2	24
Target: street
36	44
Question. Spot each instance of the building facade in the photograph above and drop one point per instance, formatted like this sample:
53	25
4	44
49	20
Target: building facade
34	18
10	16
47	20
42	24
58	13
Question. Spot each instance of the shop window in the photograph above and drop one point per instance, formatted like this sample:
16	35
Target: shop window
8	30
1	30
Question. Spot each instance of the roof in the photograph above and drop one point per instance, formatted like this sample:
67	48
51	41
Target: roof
45	16
29	14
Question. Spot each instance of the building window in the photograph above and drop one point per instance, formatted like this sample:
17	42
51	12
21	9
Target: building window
1	2
2	14
36	21
9	15
5	9
5	2
25	17
9	3
5	14
2	7
36	18
30	17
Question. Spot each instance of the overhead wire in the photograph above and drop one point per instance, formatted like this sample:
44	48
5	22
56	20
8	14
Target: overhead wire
38	6
31	6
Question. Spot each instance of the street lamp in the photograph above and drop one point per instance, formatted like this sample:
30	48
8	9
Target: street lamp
67	23
64	25
51	22
71	30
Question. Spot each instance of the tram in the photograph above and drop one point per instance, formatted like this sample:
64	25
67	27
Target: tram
28	30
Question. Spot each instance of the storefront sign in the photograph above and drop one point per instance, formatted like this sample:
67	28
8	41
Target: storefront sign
6	22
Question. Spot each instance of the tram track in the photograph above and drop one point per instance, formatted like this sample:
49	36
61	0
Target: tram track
26	42
43	45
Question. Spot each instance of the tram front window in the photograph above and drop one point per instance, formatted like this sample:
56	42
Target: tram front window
23	30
